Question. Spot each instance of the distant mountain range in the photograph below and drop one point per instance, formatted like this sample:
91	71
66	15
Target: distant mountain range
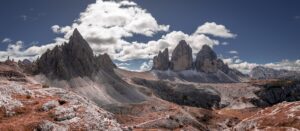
262	73
76	59
71	88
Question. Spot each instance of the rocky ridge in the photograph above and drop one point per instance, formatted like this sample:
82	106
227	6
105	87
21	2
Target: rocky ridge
73	59
73	66
210	68
183	94
30	105
261	73
137	100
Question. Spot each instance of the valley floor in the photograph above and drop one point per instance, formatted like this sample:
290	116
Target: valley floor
27	104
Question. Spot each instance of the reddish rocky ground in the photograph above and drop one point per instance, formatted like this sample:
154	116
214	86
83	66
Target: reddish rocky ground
27	105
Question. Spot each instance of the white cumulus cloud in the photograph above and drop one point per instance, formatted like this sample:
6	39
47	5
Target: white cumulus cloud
6	40
106	25
246	67
233	52
146	66
214	29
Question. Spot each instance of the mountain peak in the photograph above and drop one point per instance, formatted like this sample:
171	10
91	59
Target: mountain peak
206	53
182	43
76	31
161	61
206	60
78	46
73	59
182	58
206	47
76	35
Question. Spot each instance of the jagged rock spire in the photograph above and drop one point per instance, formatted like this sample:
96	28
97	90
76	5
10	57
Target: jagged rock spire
70	60
182	58
206	60
161	62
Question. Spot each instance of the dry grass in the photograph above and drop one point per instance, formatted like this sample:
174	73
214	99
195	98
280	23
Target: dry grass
27	117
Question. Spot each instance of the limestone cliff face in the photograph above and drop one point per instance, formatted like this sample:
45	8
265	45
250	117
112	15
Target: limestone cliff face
182	58
104	62
207	64
206	60
161	61
72	59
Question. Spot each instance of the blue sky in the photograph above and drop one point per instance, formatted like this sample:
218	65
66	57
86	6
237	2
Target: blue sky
267	31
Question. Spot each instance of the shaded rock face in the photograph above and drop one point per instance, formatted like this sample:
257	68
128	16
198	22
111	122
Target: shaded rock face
222	66
161	62
208	67
206	60
271	94
261	72
104	62
182	58
72	59
182	94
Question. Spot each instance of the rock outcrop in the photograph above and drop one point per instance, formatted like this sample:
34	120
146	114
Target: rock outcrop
261	72
11	71
206	68
74	66
206	60
52	108
277	91
283	116
73	59
27	66
161	61
182	58
104	62
182	94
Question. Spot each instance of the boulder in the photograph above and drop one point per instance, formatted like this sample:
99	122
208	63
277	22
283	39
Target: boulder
50	105
46	125
161	61
64	113
182	58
